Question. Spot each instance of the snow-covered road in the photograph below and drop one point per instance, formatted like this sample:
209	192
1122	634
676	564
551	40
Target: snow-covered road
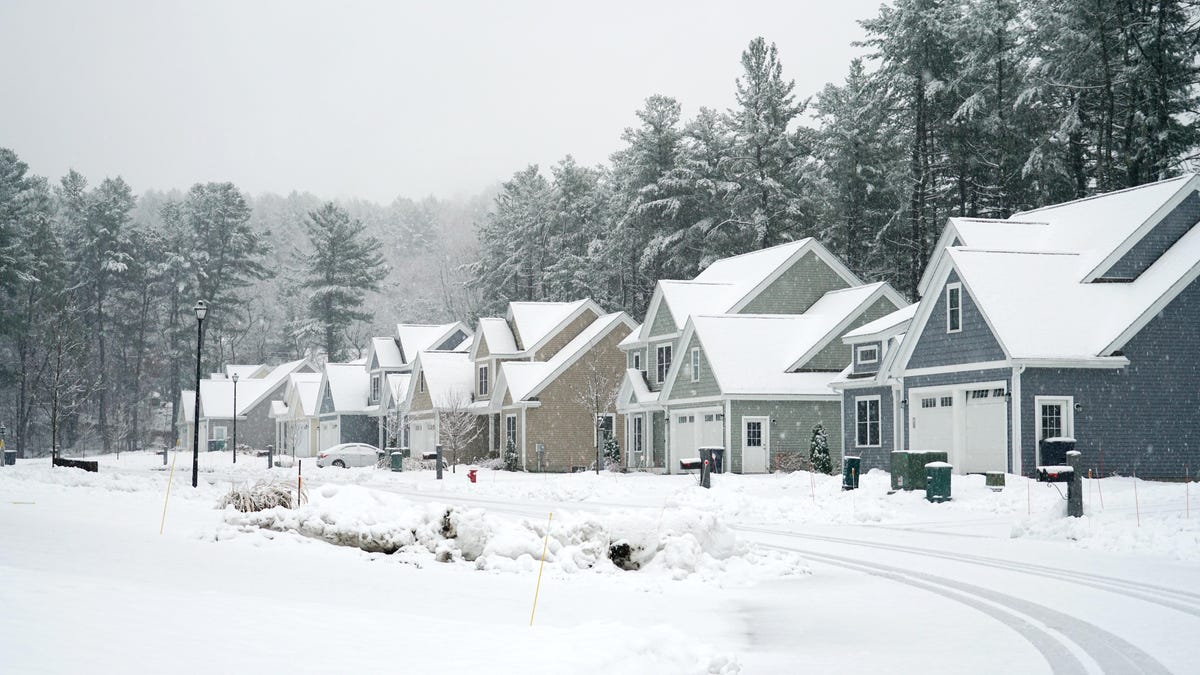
990	583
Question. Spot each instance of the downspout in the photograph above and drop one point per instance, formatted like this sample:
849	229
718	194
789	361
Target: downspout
524	466
1015	408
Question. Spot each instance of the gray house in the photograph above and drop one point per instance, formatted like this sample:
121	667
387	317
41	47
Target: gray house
343	411
255	424
1071	321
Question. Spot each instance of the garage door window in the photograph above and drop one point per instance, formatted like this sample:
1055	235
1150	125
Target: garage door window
867	421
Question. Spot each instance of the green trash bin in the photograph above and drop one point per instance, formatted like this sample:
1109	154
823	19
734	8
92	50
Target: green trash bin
397	461
899	469
937	482
851	470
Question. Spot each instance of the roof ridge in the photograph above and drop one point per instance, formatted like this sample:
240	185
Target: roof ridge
1184	177
854	288
969	249
742	255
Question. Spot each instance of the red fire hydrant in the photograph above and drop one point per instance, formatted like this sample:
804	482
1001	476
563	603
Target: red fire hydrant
471	474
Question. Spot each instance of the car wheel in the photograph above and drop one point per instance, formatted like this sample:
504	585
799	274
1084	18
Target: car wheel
339	463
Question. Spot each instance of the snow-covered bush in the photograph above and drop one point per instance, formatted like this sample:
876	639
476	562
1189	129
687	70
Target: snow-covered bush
818	451
261	496
512	461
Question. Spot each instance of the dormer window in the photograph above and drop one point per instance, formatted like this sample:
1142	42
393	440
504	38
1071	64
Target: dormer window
483	380
953	308
868	354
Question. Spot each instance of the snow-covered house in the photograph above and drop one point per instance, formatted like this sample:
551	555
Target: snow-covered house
758	384
296	421
256	427
552	405
440	382
788	279
1076	320
390	356
343	409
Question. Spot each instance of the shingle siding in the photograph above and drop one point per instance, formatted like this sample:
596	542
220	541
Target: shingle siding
975	343
684	387
1145	415
1156	242
358	429
663	323
872	458
837	355
791	428
869	368
797	288
568	333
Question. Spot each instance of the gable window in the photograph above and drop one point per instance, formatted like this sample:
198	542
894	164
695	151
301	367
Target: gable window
953	308
866	421
664	362
421	383
374	387
695	364
637	360
483	380
868	354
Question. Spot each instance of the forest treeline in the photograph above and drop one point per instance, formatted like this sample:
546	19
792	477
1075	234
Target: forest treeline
977	108
960	108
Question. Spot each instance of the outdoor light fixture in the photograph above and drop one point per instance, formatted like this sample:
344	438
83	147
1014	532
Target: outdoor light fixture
1008	395
201	312
235	379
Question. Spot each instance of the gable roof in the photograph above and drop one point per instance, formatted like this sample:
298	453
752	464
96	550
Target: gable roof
1036	294
385	352
414	338
246	371
304	387
498	335
537	322
883	327
729	284
216	396
395	393
349	387
449	377
524	380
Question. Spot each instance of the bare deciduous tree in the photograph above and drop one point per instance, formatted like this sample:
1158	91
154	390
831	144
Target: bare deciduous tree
457	427
596	392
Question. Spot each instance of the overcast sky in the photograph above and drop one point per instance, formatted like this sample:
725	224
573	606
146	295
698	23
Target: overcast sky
374	99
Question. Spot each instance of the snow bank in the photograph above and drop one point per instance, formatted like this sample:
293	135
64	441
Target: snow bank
677	543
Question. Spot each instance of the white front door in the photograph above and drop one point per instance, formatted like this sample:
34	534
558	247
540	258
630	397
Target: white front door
986	447
636	430
756	444
931	423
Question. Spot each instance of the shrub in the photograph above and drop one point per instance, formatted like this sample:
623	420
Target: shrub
261	496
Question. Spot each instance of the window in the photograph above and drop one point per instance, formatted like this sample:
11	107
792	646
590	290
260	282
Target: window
604	424
1052	420
695	364
421	383
637	360
868	354
510	430
664	362
929	403
637	434
947	401
374	387
754	434
953	308
483	380
998	393
220	433
866	421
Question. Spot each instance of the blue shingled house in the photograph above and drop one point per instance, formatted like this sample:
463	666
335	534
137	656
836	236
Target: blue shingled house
1077	320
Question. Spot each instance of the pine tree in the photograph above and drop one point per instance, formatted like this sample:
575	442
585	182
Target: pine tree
512	461
818	451
341	267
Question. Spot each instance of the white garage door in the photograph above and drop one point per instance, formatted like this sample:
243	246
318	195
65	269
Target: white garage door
330	435
986	431
693	429
931	423
423	436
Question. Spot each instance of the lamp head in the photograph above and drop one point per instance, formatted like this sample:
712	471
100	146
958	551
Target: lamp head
201	310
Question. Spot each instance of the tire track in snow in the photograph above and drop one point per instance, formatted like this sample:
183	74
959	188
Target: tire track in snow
1036	623
1133	589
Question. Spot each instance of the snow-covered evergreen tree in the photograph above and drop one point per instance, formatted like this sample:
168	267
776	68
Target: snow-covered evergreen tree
818	451
340	268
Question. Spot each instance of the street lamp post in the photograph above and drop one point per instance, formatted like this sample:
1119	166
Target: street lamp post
3	452
235	379
201	311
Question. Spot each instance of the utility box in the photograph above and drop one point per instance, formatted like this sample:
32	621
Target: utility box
397	461
937	481
994	480
851	470
908	467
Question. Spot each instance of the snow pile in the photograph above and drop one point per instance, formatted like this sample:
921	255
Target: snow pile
677	543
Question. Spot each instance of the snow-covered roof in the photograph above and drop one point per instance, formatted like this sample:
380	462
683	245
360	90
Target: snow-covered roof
305	387
535	321
525	379
246	371
216	396
449	377
349	386
498	335
632	339
884	326
748	270
685	298
417	337
639	390
187	404
752	353
386	352
396	392
279	410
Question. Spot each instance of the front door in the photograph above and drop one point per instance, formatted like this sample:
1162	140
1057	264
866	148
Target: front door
756	444
637	441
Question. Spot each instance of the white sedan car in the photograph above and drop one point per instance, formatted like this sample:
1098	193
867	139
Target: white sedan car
349	454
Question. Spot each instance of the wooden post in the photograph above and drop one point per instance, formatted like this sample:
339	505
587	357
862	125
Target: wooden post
1136	505
170	477
299	471
537	589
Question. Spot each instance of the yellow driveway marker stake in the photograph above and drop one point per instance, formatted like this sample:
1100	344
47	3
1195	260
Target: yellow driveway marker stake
169	478
540	568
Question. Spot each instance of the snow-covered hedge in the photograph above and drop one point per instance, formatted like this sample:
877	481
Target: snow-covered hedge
261	496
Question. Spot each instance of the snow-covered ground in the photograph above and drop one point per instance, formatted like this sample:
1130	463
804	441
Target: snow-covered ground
399	571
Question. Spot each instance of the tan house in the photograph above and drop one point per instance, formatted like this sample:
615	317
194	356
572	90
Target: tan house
555	400
438	396
295	415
